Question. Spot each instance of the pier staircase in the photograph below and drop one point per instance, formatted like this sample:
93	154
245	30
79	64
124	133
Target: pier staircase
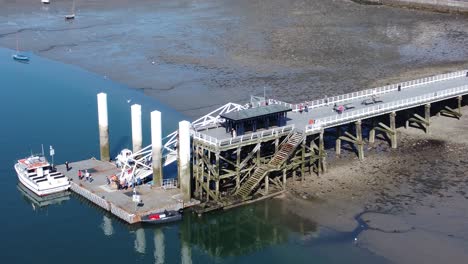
284	152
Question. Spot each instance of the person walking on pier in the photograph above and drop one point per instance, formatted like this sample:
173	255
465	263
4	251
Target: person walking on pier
66	165
79	174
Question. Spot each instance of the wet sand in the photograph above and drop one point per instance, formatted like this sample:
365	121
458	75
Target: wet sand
416	195
198	55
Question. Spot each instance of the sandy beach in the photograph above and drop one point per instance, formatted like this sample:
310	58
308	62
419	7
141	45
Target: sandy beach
416	195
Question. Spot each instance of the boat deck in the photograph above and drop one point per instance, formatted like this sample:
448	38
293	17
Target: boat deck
119	202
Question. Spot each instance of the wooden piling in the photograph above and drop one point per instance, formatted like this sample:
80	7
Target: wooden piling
359	141
393	134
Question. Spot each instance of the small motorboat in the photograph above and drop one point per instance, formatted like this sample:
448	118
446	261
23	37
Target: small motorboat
161	218
20	57
45	1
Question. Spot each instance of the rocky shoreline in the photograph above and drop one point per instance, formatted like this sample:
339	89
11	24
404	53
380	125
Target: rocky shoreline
426	177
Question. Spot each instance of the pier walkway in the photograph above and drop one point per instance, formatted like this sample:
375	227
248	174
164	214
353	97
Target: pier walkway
320	114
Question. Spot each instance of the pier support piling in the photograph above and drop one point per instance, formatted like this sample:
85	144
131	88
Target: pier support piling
322	153
359	141
156	144
338	141
103	127
183	156
392	133
427	117
137	136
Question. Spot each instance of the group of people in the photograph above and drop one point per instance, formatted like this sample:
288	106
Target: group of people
303	108
86	175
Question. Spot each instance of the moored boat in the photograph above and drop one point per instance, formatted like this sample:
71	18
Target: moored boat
20	57
36	173
45	1
161	218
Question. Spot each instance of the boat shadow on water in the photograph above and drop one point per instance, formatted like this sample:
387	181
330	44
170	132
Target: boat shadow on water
42	202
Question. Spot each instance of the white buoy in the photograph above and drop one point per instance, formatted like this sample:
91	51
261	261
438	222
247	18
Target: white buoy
136	127
156	143
103	127
184	159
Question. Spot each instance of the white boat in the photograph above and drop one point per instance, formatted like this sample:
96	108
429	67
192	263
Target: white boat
45	1
72	14
40	177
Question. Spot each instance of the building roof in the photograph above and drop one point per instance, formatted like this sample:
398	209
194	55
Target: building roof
253	113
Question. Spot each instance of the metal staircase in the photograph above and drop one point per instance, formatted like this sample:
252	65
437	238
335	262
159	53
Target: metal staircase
285	151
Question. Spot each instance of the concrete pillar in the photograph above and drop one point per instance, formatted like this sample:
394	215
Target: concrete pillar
137	136
156	144
183	157
360	143
393	137
266	184
103	127
427	116
338	141
159	247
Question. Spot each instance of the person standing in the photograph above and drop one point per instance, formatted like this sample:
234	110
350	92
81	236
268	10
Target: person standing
234	134
66	165
79	174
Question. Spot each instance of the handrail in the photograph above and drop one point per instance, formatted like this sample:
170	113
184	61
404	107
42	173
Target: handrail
382	108
244	138
378	90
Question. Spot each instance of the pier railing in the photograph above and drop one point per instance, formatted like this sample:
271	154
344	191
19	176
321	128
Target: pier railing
345	117
244	138
377	91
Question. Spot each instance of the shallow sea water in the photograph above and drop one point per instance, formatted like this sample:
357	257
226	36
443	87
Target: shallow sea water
45	102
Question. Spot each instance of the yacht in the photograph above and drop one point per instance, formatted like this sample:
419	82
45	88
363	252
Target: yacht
40	177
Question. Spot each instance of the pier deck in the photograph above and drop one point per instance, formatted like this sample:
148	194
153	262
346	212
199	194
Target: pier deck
355	103
119	202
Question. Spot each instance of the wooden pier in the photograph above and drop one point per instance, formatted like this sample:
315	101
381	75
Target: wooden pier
119	202
240	154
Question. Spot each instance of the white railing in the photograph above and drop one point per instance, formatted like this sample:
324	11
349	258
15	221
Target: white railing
169	184
244	138
378	90
322	123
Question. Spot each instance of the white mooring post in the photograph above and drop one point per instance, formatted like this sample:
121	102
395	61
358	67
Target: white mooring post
184	159
136	127
156	143
103	126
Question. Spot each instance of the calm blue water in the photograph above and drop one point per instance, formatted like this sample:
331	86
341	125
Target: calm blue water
49	103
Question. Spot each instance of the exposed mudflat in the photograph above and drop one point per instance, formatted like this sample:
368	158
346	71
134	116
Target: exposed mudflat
416	195
197	55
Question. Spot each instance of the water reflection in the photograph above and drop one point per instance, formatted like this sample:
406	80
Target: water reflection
243	230
41	202
140	241
106	225
159	246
